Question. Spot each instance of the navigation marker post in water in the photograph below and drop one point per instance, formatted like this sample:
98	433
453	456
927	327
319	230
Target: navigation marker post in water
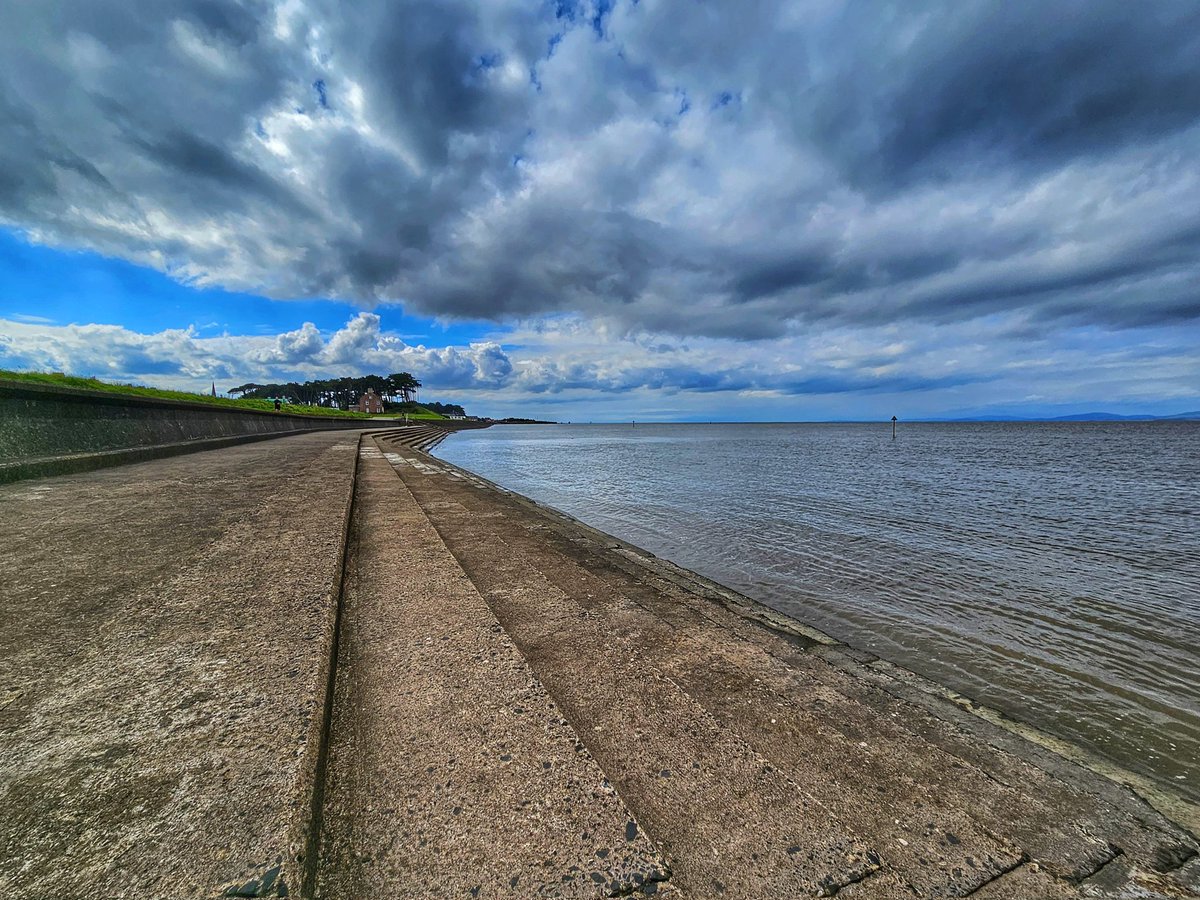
893	428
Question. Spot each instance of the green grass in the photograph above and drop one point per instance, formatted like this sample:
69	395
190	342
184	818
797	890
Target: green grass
414	411
93	384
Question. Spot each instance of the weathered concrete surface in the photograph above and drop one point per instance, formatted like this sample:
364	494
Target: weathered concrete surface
765	764
522	707
451	769
166	627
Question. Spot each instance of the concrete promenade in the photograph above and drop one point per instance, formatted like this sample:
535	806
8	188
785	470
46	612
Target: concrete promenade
331	665
165	646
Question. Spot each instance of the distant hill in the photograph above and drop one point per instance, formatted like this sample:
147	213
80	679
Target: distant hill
1113	417
1077	417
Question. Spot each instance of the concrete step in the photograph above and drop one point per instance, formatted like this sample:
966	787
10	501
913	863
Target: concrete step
417	437
452	771
938	809
728	819
1011	795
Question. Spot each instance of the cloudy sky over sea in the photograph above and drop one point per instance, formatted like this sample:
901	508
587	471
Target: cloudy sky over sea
614	209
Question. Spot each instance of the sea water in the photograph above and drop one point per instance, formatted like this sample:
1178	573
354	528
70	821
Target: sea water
1051	571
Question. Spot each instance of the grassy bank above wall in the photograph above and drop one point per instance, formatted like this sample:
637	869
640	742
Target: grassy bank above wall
56	379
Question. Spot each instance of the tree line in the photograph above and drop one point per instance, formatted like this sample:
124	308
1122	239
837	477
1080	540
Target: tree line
445	409
342	393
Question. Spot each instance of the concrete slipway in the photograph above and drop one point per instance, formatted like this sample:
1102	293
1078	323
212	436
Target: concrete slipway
332	665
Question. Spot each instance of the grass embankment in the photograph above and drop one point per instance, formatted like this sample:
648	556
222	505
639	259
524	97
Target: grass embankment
94	384
415	411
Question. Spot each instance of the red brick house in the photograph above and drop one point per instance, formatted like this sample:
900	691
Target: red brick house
370	402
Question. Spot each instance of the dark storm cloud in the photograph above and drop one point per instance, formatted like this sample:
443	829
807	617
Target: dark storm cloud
741	170
427	67
778	275
208	167
996	83
740	377
23	184
592	260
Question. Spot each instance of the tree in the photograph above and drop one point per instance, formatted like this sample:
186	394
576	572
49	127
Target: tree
342	392
446	409
402	383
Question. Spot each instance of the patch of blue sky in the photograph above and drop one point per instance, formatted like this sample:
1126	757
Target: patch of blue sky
55	286
602	9
732	99
569	11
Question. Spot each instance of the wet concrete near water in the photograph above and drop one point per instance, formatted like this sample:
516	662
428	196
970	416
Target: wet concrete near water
521	707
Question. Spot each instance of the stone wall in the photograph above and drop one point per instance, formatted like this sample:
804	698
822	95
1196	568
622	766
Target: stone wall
46	429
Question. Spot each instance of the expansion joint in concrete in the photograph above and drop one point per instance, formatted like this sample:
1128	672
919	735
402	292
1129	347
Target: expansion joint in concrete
312	844
1094	870
1179	857
1018	863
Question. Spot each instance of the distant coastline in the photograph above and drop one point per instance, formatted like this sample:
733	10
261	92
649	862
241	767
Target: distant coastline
1098	418
1192	416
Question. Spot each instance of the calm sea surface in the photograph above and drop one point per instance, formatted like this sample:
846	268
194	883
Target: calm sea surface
1049	570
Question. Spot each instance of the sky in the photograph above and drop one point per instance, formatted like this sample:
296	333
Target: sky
612	210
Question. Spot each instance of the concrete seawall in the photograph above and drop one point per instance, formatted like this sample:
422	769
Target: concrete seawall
169	635
50	430
382	676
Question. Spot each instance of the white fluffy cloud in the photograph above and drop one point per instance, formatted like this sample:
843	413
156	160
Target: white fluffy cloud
184	358
591	368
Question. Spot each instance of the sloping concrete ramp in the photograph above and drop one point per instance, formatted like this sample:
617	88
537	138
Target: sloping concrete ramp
764	760
333	666
451	768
